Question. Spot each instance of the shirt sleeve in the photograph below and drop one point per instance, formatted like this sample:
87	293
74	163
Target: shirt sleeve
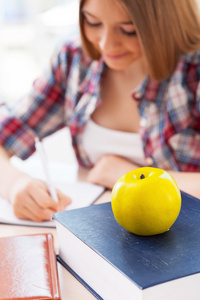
183	117
40	113
198	95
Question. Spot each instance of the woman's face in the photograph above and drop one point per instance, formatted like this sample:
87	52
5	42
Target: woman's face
110	30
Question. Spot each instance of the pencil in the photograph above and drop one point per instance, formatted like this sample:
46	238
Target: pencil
40	149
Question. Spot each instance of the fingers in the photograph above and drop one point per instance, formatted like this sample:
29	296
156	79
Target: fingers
33	202
64	201
38	191
44	200
26	208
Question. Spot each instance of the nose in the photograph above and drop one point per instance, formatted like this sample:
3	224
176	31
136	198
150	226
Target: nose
108	40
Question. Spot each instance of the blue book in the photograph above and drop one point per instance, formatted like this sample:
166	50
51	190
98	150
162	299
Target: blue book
118	265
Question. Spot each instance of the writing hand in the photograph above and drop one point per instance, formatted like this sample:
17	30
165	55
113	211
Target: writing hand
31	200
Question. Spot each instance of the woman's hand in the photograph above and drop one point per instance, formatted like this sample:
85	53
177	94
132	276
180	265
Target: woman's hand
30	200
109	169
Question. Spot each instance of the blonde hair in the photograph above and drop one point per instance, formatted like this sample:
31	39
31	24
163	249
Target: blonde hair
166	29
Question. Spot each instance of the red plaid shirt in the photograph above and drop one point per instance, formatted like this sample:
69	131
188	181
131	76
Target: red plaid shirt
68	93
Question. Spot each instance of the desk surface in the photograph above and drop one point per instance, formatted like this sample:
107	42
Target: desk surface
71	288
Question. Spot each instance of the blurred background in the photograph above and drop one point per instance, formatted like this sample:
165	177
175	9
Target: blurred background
30	30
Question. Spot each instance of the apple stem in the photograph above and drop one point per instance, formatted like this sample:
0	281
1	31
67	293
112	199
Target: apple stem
142	176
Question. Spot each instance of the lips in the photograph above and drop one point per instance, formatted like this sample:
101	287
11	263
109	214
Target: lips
115	56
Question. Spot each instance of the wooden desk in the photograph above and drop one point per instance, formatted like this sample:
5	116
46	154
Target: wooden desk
71	288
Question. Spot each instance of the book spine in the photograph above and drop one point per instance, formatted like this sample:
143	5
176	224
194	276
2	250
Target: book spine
52	264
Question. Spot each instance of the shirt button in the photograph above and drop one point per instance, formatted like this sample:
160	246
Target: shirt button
137	95
149	161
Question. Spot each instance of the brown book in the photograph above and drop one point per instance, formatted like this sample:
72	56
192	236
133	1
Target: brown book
28	268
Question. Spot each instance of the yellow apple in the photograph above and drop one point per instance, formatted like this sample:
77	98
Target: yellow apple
146	201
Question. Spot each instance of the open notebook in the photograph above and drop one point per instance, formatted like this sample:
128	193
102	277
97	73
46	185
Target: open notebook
81	193
64	176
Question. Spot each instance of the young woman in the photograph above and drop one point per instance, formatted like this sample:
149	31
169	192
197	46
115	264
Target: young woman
130	95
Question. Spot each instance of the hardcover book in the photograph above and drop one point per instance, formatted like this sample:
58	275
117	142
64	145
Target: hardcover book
28	268
116	264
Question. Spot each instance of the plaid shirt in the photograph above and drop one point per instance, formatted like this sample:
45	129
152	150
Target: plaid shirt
68	93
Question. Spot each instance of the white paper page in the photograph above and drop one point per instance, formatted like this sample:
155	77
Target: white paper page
81	193
63	173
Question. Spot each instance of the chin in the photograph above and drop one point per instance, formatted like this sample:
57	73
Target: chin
117	66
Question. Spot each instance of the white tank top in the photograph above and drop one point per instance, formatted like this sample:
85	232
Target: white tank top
98	141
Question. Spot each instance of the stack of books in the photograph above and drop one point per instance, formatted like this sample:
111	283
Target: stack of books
116	264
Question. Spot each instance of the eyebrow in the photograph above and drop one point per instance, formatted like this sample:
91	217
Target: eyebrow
123	23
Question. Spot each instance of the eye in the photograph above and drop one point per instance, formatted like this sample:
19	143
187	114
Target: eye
129	33
128	29
90	20
92	24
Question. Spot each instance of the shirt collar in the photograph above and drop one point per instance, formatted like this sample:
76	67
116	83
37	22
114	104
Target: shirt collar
91	81
139	91
192	57
148	89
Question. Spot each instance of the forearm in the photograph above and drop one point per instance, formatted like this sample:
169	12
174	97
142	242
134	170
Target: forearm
188	182
109	169
8	174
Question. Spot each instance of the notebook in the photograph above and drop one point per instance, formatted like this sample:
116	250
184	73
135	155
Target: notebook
28	268
81	193
64	175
